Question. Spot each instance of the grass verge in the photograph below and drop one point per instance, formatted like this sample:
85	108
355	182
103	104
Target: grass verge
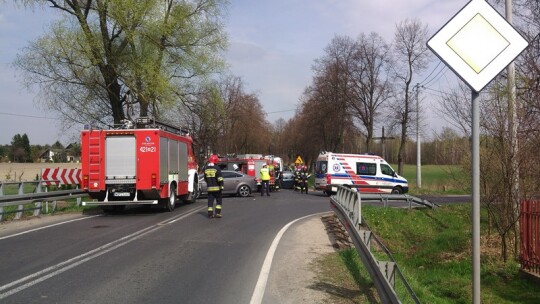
433	250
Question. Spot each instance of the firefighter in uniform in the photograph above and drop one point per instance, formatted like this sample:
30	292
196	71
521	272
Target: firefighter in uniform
296	178
214	185
304	180
265	180
278	177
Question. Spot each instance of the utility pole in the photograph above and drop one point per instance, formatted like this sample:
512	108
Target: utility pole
383	139
418	152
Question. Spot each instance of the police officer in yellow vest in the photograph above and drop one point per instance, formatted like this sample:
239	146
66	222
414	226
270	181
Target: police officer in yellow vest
265	180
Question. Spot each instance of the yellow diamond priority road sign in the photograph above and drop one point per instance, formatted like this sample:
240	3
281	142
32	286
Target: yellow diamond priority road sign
477	43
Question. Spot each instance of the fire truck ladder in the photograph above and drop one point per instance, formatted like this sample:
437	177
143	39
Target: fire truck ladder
147	122
94	157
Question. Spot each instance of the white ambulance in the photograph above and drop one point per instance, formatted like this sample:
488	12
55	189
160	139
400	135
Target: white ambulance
368	173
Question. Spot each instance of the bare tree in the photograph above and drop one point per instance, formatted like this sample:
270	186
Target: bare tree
369	80
411	57
454	107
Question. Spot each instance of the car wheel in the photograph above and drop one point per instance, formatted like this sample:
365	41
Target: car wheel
244	191
397	190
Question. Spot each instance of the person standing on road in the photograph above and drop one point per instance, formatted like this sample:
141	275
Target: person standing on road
265	180
278	177
214	185
304	176
297	178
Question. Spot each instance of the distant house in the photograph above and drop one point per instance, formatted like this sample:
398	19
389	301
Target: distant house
47	156
73	153
70	154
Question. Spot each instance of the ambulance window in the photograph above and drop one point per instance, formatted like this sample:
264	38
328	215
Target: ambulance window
366	169
387	170
321	166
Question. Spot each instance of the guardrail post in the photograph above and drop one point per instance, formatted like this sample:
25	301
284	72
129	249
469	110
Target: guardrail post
389	271
1	213
19	213
21	188
359	198
1	189
37	209
366	238
53	206
39	187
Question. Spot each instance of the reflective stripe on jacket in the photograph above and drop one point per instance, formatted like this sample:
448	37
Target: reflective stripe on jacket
213	178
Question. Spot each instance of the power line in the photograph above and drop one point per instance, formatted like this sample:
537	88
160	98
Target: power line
280	111
22	115
422	82
437	75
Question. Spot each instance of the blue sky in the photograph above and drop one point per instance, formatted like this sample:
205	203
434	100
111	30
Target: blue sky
273	45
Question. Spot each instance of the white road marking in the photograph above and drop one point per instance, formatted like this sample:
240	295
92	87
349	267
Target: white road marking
260	287
48	226
59	268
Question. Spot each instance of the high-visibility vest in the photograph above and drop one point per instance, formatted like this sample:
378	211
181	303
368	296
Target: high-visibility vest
265	174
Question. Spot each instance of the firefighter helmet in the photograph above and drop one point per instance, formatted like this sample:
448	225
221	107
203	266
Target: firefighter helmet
214	159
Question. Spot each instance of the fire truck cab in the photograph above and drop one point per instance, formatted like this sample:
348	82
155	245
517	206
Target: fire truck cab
145	162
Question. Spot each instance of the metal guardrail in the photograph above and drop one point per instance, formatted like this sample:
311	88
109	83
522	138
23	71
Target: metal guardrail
348	205
38	197
405	198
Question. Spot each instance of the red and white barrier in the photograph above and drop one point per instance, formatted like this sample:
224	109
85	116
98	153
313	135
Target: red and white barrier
59	176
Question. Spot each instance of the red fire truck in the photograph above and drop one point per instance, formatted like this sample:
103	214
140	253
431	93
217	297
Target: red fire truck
249	164
145	162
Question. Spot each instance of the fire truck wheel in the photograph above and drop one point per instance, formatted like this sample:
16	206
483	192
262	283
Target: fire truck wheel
171	202
244	191
195	195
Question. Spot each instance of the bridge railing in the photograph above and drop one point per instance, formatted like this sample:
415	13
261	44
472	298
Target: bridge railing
35	201
348	207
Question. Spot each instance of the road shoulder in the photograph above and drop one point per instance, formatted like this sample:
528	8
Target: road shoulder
292	276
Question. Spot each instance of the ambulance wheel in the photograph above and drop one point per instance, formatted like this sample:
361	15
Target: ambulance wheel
397	190
171	202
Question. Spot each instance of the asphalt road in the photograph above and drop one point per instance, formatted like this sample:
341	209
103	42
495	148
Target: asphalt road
149	256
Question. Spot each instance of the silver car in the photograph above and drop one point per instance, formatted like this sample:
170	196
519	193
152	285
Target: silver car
235	183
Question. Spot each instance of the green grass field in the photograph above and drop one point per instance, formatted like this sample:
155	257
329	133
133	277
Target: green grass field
437	179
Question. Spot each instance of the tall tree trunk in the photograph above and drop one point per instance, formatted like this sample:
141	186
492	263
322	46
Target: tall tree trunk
113	92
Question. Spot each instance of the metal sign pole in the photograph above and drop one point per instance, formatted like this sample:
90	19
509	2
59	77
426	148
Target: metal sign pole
476	196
